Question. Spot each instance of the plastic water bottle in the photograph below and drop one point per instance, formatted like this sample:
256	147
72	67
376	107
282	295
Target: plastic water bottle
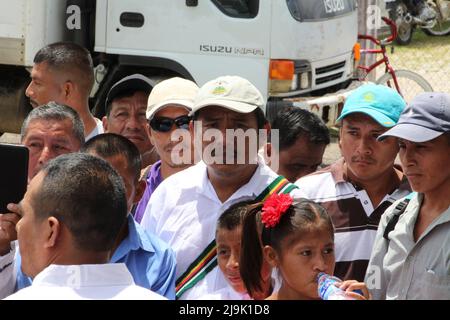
328	291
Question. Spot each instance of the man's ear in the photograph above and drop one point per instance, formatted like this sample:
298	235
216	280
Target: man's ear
150	135
52	232
105	123
68	90
147	131
268	149
192	128
140	188
271	256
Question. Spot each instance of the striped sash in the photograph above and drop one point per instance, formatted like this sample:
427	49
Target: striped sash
207	260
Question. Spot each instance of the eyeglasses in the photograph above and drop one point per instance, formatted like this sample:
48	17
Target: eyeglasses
163	124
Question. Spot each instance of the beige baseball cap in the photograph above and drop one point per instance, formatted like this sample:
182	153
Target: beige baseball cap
230	92
176	91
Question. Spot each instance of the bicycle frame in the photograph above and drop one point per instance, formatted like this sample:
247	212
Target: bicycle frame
382	44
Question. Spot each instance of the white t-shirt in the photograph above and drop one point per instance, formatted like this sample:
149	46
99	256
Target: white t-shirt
96	131
183	211
110	281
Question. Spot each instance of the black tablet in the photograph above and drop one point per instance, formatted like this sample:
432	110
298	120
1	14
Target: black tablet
13	174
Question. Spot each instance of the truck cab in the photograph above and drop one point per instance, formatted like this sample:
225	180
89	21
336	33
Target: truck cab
286	48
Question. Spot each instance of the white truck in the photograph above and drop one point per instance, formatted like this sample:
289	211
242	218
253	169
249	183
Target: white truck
287	48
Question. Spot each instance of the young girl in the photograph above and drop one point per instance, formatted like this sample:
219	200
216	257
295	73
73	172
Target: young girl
228	240
297	238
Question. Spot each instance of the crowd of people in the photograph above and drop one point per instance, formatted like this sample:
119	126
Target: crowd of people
186	192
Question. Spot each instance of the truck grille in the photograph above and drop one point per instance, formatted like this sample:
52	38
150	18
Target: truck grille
330	68
329	78
326	70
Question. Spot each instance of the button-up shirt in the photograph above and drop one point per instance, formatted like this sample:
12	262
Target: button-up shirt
354	216
184	211
90	281
403	268
150	260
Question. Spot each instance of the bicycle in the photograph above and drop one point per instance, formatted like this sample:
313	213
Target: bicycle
407	83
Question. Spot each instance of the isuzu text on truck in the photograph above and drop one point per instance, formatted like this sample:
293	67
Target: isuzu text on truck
286	48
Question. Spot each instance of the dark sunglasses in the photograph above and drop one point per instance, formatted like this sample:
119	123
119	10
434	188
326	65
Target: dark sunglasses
164	124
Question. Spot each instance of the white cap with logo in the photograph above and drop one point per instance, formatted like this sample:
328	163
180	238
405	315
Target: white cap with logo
230	92
173	91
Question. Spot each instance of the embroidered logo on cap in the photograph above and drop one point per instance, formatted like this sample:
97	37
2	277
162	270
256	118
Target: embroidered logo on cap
219	90
369	97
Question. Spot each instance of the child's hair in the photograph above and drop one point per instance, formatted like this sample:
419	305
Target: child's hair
302	216
232	217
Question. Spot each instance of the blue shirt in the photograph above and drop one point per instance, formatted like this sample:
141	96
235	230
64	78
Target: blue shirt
149	259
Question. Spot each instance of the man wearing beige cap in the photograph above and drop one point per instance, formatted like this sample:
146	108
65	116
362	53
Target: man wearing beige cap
168	107
184	209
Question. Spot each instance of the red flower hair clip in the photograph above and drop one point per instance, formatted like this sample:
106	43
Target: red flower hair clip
274	207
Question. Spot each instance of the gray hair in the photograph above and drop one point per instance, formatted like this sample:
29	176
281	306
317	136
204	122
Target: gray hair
57	112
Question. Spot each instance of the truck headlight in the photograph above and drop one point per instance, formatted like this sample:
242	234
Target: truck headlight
304	80
281	75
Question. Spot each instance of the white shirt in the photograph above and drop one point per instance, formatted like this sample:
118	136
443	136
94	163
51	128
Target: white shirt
226	293
184	210
89	281
96	131
8	272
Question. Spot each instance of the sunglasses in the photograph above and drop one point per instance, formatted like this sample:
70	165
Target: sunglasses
163	124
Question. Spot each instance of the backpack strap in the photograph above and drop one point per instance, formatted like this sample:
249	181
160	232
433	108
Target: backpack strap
207	260
398	211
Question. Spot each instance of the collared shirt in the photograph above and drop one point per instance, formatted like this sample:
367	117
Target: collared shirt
184	210
152	181
89	281
149	259
353	215
96	131
406	269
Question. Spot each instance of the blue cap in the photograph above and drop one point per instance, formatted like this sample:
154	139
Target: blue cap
381	103
425	118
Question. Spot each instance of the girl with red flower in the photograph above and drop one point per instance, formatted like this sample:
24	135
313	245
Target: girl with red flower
295	237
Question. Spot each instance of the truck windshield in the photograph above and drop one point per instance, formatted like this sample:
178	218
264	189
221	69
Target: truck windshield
307	10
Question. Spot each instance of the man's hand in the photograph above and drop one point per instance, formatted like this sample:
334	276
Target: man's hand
8	232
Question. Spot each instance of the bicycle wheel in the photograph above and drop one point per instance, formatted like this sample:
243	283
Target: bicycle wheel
410	83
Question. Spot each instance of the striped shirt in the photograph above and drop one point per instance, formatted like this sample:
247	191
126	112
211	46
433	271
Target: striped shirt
353	215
